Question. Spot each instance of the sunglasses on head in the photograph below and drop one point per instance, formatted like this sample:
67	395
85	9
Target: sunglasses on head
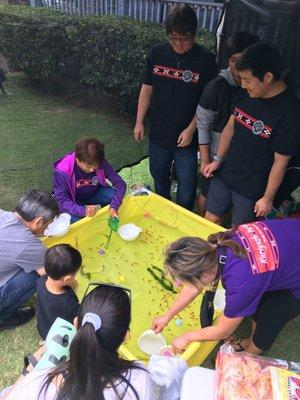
103	284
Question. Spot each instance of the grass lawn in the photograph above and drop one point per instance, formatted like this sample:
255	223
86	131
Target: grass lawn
35	130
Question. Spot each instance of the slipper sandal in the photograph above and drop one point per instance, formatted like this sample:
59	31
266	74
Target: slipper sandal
29	359
237	342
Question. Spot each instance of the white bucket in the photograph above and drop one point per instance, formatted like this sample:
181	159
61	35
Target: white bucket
151	343
60	225
129	232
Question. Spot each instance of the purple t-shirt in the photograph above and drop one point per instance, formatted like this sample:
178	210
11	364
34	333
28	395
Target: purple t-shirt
272	263
87	184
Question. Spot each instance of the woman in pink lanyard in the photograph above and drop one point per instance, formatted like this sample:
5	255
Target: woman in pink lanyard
259	266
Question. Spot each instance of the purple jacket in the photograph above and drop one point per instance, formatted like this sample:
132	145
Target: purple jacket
64	184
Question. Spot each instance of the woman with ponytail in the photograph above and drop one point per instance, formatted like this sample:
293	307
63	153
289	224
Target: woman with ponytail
259	266
94	370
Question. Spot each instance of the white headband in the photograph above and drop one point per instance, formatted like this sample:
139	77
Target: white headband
93	319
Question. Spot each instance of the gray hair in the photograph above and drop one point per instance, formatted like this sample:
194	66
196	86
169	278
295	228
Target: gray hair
37	203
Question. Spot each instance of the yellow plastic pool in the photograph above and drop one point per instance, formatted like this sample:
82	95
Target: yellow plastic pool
126	263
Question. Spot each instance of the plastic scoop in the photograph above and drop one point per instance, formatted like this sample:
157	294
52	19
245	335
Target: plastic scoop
113	223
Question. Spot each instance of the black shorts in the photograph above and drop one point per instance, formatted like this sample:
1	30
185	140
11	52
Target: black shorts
204	185
274	310
221	199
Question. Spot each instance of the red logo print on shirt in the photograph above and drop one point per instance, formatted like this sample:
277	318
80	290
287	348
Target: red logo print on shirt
256	126
94	181
173	73
260	245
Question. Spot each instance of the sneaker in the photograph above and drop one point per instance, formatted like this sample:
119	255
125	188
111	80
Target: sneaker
19	317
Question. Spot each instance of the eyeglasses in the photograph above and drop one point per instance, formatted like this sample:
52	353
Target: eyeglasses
181	39
101	284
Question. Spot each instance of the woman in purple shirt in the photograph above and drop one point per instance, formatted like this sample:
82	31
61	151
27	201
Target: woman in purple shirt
80	181
259	266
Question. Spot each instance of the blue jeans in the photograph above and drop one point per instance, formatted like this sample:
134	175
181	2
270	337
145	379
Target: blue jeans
16	292
102	197
186	169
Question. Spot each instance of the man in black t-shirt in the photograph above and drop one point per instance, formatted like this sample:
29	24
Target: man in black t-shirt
215	105
175	75
261	136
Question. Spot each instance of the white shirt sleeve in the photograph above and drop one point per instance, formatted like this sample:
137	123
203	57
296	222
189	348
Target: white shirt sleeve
141	381
28	388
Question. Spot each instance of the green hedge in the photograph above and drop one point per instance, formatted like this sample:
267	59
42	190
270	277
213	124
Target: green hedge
111	51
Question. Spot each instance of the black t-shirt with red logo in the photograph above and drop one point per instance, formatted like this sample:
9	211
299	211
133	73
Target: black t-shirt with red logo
178	81
261	127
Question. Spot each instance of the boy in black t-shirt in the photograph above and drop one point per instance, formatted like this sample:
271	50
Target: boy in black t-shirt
55	296
175	75
215	105
261	136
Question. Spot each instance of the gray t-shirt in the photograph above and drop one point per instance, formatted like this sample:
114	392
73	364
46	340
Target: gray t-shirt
19	248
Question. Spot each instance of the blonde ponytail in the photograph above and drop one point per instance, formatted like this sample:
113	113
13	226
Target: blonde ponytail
224	239
188	258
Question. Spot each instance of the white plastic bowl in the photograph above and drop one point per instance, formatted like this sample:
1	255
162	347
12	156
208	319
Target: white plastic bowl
60	226
151	343
129	232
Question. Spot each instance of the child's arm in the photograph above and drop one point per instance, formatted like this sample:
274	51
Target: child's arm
117	182
64	198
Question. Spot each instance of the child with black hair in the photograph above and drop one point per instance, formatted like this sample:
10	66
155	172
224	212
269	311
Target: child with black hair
55	296
95	370
215	104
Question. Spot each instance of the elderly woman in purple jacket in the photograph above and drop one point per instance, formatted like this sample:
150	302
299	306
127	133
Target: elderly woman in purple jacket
80	181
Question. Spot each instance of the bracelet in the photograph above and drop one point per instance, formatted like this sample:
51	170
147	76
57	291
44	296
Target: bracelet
217	158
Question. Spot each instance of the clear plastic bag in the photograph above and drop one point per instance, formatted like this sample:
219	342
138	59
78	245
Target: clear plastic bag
285	384
244	376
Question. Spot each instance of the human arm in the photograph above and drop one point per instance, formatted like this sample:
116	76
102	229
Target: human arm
186	136
31	258
224	327
285	142
264	205
41	271
206	112
204	150
204	119
143	106
63	196
118	183
225	140
187	294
